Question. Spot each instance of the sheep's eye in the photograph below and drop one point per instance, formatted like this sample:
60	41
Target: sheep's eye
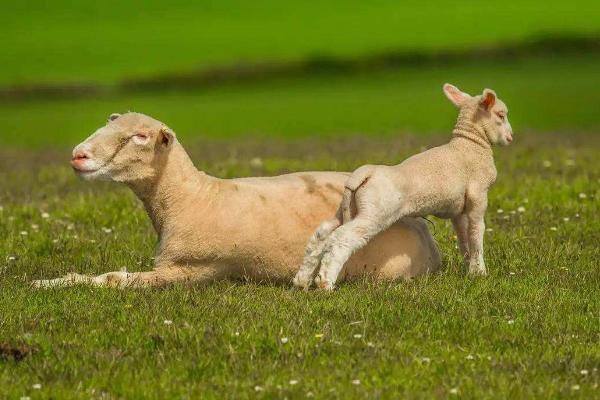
141	135
501	116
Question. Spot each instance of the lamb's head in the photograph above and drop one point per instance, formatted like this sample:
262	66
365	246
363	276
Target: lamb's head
486	112
130	147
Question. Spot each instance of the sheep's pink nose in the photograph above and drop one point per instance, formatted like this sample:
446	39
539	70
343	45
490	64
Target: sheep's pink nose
79	157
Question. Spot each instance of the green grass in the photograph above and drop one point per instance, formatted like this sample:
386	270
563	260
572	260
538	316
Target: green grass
543	94
105	41
420	339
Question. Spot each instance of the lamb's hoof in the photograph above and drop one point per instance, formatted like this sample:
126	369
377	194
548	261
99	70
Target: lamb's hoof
301	281
478	271
323	283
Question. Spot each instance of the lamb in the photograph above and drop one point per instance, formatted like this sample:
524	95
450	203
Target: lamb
449	181
211	229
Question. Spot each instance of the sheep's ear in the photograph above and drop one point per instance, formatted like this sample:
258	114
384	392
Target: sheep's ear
166	136
454	94
488	99
113	116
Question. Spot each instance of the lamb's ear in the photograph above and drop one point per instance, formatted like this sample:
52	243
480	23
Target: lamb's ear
454	94
166	136
488	99
113	116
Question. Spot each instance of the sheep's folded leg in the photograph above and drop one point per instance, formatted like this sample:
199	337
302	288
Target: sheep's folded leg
121	279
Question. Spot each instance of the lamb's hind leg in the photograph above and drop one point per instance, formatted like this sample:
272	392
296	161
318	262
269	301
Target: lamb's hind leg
345	241
314	251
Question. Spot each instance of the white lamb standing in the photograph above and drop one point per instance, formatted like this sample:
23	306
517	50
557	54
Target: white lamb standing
449	181
211	229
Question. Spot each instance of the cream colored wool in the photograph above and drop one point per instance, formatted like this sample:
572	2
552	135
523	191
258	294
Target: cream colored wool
449	181
210	228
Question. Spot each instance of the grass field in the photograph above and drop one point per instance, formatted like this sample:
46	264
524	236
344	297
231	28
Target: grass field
543	94
105	41
532	328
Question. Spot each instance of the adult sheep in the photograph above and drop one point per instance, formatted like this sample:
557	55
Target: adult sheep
210	228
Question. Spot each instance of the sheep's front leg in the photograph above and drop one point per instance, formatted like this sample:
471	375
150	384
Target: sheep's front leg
120	279
461	227
314	252
475	231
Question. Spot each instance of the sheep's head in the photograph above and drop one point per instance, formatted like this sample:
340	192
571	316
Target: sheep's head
128	148
485	111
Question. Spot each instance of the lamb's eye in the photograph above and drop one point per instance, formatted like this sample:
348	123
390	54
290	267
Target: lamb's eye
141	136
501	116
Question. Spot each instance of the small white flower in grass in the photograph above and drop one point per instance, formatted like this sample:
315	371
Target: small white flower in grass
310	394
370	344
256	162
521	209
546	164
582	196
575	387
470	357
284	340
511	273
553	228
511	321
583	372
513	212
54	240
45	215
237	333
453	391
35	227
12	258
356	381
426	360
25	398
570	162
499	211
167	322
258	388
506	217
106	230
293	382
566	219
576	215
24	233
70	227
357	336
37	386
489	230
319	335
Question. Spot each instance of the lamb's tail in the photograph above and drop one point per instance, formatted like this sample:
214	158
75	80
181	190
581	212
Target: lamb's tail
356	180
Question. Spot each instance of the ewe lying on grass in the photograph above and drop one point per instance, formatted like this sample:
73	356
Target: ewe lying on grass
449	181
212	228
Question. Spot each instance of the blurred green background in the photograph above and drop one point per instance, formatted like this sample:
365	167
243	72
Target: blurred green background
543	59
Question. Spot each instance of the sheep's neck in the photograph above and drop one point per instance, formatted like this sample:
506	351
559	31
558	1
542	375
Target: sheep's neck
466	131
167	194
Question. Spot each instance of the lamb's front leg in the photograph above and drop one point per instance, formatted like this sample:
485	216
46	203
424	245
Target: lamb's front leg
461	227
475	232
